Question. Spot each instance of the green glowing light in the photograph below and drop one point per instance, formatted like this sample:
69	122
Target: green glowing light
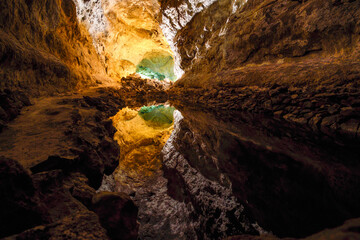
149	73
157	65
157	115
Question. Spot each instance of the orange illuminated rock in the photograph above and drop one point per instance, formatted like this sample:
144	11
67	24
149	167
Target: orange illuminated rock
140	145
124	32
43	48
133	32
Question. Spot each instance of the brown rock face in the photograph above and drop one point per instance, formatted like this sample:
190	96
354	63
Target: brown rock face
67	164
295	62
117	214
43	49
287	34
19	209
133	32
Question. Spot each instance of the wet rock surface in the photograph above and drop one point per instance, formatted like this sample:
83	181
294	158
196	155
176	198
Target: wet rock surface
215	211
285	75
272	139
173	206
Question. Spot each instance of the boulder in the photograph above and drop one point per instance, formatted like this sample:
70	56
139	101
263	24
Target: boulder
117	214
19	209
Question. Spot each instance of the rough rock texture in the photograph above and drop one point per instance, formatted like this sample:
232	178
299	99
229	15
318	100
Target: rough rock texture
11	103
259	62
133	32
136	90
288	160
267	32
246	63
214	211
83	134
83	225
171	205
62	216
289	72
67	143
332	110
192	207
175	15
43	49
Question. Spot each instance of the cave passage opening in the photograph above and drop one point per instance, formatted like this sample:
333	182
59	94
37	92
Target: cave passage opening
157	65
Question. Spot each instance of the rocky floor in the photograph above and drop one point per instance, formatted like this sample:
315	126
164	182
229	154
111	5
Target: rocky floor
61	148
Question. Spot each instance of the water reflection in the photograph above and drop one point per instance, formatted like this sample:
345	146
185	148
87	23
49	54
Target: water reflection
157	116
292	180
223	172
141	134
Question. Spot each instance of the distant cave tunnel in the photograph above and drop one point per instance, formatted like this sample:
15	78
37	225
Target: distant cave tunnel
159	65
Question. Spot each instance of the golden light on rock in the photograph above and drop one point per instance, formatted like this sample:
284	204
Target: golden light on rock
140	146
133	32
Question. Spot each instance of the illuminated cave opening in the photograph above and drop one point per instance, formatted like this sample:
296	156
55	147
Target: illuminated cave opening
157	65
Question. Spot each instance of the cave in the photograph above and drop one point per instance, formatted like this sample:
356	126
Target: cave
180	119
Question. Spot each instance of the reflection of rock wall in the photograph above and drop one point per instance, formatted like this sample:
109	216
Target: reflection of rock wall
214	210
43	49
67	144
293	60
292	181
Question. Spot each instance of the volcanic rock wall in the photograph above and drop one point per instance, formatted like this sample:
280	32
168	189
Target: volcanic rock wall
287	33
297	61
177	16
290	64
43	48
